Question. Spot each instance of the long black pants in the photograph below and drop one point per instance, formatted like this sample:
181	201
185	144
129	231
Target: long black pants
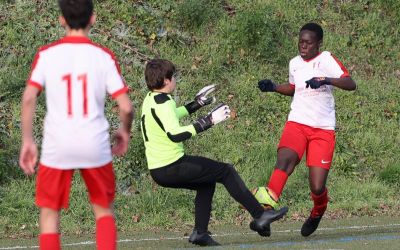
201	174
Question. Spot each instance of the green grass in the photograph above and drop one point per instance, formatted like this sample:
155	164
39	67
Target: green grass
234	50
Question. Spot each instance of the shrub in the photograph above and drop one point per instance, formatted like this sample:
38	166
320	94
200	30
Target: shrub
8	166
391	174
259	32
191	14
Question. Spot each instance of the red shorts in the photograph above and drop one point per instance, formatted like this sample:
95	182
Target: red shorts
319	143
53	186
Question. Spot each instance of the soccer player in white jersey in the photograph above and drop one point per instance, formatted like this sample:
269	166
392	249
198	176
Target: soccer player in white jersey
313	75
76	75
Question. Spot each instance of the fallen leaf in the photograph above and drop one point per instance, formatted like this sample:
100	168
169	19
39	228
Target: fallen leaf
136	218
233	114
198	59
153	36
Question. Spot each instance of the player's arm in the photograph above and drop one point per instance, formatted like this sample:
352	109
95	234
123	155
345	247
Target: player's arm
267	85
28	155
201	99
126	112
176	133
340	76
337	75
285	89
345	83
182	112
167	118
122	135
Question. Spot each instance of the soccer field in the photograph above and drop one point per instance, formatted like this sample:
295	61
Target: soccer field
355	233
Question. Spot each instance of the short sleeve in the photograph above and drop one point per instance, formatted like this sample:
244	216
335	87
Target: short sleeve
37	77
335	68
114	81
291	77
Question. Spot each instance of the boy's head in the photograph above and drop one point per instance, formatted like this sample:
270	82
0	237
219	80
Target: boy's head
159	73
310	40
77	13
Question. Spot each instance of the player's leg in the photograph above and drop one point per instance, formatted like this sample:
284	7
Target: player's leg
291	148
286	162
52	193
100	183
49	223
106	230
185	174
319	158
228	176
203	201
319	195
197	172
201	235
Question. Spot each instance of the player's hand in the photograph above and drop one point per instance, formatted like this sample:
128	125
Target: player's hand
215	116
317	82
121	140
266	85
28	157
202	97
220	113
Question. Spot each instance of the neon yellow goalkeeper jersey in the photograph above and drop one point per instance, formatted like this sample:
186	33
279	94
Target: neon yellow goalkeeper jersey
161	131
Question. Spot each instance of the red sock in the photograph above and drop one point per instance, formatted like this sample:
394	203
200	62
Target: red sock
320	203
277	181
49	241
106	233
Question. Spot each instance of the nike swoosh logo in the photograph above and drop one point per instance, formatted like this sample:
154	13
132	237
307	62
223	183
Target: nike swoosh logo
324	162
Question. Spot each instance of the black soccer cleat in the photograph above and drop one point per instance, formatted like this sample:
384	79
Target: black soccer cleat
266	232
310	225
262	225
202	239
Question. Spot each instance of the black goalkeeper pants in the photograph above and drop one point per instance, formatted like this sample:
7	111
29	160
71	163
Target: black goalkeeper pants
201	174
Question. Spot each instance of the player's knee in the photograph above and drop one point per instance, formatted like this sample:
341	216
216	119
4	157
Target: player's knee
317	189
100	211
227	170
286	164
230	168
49	212
238	180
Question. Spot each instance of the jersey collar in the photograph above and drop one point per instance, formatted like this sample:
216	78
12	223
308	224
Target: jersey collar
309	60
75	39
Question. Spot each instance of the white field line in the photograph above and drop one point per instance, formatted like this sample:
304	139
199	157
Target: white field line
82	243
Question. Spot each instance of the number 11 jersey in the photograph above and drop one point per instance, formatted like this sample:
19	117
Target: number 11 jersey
76	75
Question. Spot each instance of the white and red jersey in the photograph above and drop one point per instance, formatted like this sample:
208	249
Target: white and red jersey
76	75
314	107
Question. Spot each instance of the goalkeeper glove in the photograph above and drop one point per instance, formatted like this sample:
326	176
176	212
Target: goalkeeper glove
201	99
215	116
266	85
317	82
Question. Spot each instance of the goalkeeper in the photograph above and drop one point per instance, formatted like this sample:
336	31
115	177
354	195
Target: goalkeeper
170	167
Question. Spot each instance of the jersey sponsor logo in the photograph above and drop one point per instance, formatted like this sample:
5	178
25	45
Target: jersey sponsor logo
316	65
